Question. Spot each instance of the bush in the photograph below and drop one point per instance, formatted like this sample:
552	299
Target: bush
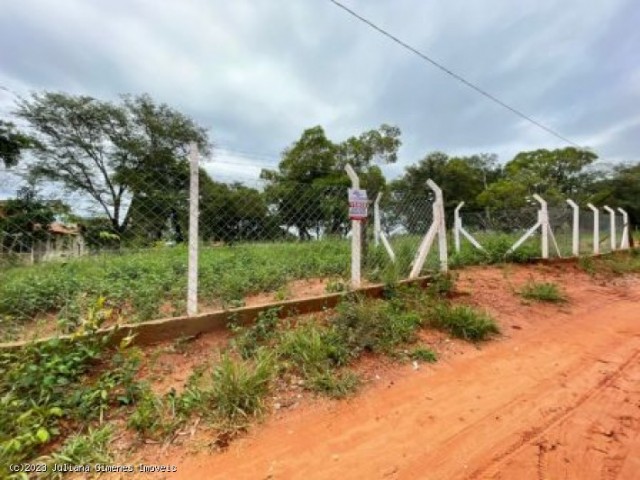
543	292
464	322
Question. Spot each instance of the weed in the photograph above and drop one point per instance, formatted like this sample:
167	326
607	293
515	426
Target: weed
335	286
423	354
81	449
464	322
542	292
442	284
588	265
334	385
239	389
249	339
311	348
375	325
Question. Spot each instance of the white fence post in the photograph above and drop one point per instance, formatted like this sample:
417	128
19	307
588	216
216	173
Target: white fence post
575	250
624	242
458	229
612	226
596	228
457	226
376	220
543	220
438	227
378	233
356	235
192	280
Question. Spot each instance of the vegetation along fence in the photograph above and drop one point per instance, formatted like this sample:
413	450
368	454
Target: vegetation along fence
180	242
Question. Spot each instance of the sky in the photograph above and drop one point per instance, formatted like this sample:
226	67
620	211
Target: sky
257	73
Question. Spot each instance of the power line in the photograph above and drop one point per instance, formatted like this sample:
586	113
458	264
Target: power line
448	71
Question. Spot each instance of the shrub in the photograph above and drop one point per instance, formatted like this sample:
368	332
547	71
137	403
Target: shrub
249	339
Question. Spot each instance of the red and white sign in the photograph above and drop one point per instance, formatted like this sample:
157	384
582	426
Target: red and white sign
358	204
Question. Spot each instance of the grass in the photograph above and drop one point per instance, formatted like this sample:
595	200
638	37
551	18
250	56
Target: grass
464	322
240	388
423	354
543	292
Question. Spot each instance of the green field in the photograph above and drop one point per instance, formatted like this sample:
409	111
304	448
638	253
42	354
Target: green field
150	284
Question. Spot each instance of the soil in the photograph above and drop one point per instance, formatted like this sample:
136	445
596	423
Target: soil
556	396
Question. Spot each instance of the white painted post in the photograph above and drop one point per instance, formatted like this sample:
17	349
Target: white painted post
543	219
596	228
442	227
612	226
457	226
624	242
192	280
575	250
438	227
376	220
356	235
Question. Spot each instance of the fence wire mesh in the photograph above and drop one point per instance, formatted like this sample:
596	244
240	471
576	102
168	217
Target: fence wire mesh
123	256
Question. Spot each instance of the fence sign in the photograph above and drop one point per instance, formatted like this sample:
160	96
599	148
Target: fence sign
358	204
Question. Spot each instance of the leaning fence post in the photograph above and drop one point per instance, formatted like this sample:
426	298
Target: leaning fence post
543	219
596	228
624	242
576	228
612	226
192	279
457	226
356	234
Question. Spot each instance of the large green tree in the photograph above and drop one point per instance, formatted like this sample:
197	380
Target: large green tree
554	174
308	189
129	157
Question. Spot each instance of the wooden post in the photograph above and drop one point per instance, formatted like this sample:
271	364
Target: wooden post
575	250
596	229
192	280
356	235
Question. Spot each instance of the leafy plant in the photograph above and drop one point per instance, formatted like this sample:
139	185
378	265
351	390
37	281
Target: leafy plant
249	339
423	354
334	384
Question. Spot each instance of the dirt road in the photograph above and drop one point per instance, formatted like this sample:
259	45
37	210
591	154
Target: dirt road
557	397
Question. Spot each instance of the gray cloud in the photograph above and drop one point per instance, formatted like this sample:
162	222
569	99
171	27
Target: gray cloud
257	73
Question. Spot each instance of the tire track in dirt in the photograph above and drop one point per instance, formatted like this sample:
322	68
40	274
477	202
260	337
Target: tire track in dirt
529	436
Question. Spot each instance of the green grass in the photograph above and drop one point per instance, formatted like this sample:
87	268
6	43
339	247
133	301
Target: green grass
543	292
240	389
464	322
423	354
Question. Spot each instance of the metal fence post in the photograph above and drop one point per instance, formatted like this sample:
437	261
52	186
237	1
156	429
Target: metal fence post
356	235
575	250
596	228
192	280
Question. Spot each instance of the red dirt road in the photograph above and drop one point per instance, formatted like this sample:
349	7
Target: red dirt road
557	397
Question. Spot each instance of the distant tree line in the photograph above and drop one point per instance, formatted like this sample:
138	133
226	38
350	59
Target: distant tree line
129	158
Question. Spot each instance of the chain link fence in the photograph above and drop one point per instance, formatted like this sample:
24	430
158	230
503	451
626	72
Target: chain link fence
65	258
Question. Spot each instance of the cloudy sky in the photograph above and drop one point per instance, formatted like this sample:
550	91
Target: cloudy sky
257	73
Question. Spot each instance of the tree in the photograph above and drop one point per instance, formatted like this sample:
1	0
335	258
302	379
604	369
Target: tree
461	178
621	189
25	219
309	188
12	143
131	152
